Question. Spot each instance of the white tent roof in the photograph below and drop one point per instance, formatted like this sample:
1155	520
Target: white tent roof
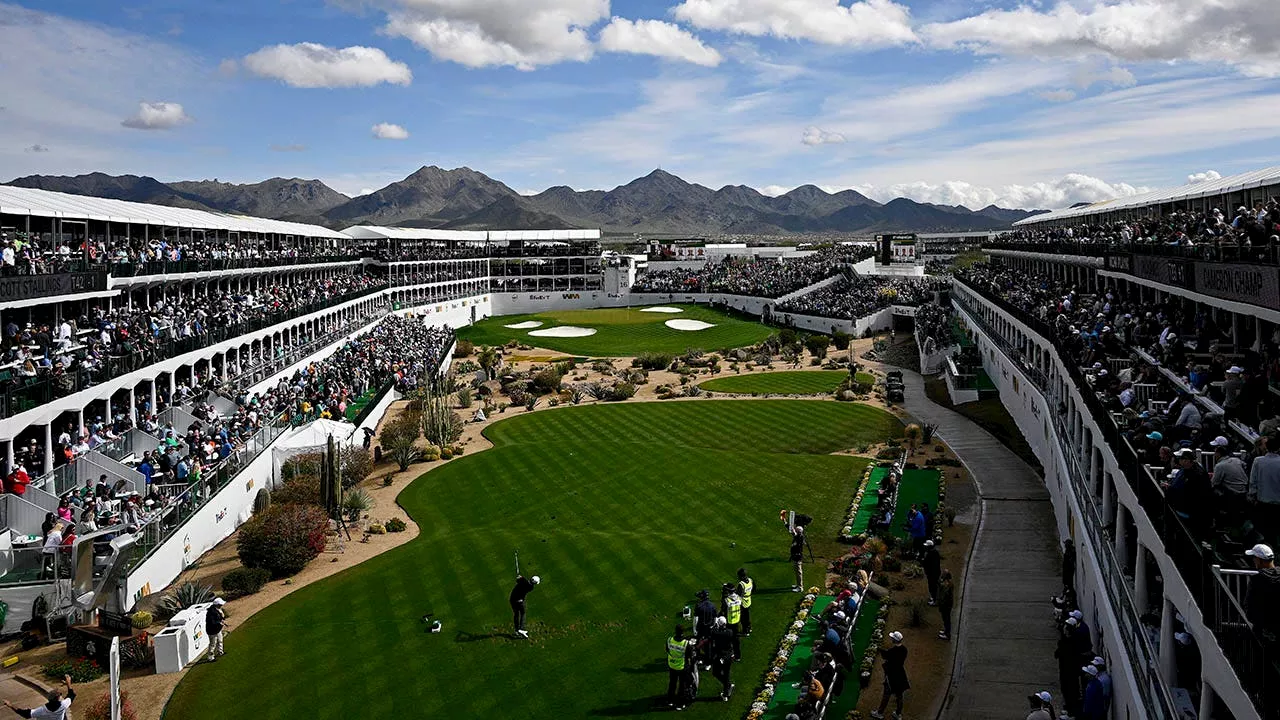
1208	188
316	434
369	232
45	203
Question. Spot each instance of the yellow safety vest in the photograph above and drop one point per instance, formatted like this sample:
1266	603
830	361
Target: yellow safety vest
733	604
675	653
744	589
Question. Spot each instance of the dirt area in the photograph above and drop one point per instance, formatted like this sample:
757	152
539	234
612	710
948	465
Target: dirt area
929	670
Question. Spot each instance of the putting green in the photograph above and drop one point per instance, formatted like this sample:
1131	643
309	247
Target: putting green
811	382
624	510
622	332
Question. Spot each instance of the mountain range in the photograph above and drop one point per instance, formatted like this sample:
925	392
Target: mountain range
466	199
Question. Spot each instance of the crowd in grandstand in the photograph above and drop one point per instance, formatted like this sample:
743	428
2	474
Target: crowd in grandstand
848	299
756	277
1167	423
140	334
1256	227
933	326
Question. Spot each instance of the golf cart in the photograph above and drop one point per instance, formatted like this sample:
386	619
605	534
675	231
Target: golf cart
893	387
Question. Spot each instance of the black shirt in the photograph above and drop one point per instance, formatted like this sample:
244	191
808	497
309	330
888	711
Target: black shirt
213	618
523	587
797	548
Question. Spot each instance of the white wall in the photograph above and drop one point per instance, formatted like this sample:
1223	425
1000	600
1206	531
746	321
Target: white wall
880	320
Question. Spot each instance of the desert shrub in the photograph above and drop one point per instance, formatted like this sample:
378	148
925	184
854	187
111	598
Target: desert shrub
464	398
376	529
406	425
183	597
355	502
100	708
652	361
301	490
598	391
137	652
692	391
786	336
355	466
395	524
446	454
622	391
464	348
817	345
245	581
403	452
841	340
283	539
547	381
141	619
916	610
81	670
604	367
888	453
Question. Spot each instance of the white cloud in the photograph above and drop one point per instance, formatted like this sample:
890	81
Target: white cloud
157	116
311	65
36	148
389	131
863	23
814	135
775	190
1203	176
655	37
482	33
1237	33
1058	96
1065	191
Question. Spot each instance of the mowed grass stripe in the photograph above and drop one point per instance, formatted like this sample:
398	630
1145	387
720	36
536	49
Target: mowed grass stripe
808	382
639	528
621	332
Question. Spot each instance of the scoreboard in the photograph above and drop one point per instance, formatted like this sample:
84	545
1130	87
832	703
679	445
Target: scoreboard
899	248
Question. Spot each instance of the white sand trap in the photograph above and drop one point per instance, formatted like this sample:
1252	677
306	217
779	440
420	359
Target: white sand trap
687	325
564	331
524	325
662	309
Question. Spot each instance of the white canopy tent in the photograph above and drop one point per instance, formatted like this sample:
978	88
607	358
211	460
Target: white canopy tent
310	438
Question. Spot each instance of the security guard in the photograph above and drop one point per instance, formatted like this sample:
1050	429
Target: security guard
731	608
677	674
745	586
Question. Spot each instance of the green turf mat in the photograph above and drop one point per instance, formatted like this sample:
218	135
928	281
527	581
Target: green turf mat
786	693
801	382
870	500
916	486
848	699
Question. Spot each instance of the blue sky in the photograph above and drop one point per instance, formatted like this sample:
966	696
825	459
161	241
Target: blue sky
1035	105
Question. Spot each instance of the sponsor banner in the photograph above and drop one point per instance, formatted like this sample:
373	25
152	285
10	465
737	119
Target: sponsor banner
1251	284
1120	263
23	287
1169	271
905	310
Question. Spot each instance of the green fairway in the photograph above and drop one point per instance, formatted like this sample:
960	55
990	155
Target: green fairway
622	332
624	510
811	382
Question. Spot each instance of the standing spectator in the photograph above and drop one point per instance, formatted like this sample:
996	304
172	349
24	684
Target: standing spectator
1068	565
1068	667
1230	481
797	556
1041	706
1264	490
918	530
932	564
1262	600
1094	706
1104	677
518	594
1188	492
57	708
704	619
895	676
946	597
745	587
215	621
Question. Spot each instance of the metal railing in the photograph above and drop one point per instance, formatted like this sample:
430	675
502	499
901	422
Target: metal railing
171	267
1254	657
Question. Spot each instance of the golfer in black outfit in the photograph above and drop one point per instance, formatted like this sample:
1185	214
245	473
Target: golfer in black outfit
518	593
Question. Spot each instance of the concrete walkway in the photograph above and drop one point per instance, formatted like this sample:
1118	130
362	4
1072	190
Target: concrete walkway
1004	633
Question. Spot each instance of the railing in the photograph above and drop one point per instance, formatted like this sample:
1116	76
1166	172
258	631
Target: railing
32	565
1192	558
1215	252
14	400
170	267
1240	641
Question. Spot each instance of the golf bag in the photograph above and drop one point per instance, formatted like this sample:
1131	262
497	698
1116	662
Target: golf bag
803	520
692	681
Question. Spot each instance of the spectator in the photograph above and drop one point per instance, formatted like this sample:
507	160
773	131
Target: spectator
895	676
1264	490
1262	600
946	598
58	706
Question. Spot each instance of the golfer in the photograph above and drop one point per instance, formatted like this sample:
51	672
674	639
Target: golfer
797	557
58	707
518	594
215	621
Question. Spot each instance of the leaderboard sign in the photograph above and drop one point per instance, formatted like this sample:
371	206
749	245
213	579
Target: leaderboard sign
1237	282
899	248
25	287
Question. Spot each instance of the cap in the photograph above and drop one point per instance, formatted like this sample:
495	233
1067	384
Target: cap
536	579
1044	696
1102	372
1184	453
1098	662
1153	435
721	621
1072	622
1262	552
928	543
895	636
703	594
1091	670
219	601
1077	614
1182	638
1219	442
839	615
1235	370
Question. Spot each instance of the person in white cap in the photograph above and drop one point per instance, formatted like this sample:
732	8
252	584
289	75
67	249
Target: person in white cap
1041	706
1104	677
523	587
1230	481
895	676
1262	599
1232	387
215	623
1094	706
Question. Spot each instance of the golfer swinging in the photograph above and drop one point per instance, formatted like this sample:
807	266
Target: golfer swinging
523	587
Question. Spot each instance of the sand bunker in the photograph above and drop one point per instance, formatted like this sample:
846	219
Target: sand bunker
564	331
662	309
686	325
524	325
